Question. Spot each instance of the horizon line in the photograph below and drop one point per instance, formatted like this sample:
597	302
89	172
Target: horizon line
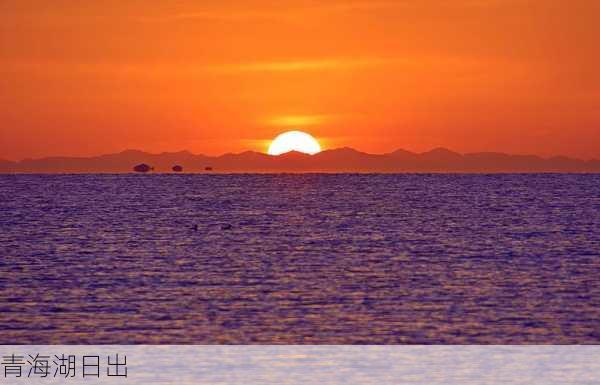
298	153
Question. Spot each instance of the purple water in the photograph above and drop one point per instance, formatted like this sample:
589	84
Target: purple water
303	258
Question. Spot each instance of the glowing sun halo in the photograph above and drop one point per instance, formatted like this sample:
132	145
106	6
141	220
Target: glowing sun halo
294	141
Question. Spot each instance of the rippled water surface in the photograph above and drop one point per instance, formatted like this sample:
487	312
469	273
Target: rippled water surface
300	258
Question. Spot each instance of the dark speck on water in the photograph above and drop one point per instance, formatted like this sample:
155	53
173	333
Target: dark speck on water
307	258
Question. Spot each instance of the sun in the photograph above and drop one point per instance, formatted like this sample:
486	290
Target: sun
294	141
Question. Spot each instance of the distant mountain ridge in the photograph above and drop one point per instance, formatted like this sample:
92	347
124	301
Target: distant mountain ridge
336	160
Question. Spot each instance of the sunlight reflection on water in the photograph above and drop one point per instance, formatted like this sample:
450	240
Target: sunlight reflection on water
335	365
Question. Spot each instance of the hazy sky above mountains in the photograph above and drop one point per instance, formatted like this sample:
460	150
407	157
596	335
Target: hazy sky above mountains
89	77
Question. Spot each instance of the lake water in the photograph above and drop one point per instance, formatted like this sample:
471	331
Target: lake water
299	259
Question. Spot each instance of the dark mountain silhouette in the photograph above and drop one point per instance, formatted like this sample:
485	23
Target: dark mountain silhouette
336	160
6	165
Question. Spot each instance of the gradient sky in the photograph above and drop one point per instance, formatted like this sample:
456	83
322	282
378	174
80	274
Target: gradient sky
90	77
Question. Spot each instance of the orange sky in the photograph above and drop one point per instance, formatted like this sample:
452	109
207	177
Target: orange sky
90	77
